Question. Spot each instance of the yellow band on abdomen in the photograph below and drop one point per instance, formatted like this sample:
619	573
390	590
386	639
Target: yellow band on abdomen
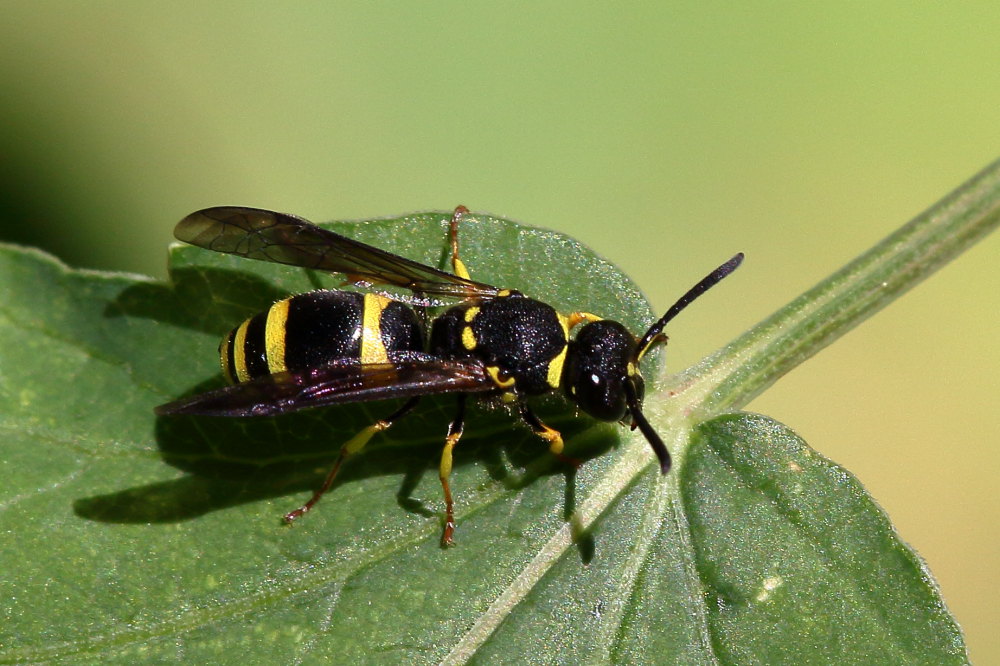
274	336
240	352
372	348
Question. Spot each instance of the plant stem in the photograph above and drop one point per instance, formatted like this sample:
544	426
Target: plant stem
734	375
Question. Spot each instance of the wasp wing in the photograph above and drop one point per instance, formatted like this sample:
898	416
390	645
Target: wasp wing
286	239
339	382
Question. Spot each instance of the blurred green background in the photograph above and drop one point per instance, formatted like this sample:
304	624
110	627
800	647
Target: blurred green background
665	135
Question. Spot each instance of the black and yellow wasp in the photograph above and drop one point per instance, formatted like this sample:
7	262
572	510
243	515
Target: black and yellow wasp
331	347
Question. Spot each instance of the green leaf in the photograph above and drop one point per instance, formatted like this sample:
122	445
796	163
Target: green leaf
797	562
130	536
135	538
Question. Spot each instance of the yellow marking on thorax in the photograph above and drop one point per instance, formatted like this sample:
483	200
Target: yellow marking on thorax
240	352
274	336
468	337
554	375
494	373
224	358
372	348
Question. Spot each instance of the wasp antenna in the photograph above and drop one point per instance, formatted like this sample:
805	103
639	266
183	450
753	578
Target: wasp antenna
659	448
694	292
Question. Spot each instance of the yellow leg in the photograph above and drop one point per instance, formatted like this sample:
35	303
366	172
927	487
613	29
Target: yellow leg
550	435
444	471
658	339
350	447
457	266
553	437
577	318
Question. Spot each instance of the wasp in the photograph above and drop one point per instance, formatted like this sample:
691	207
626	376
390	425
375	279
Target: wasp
330	347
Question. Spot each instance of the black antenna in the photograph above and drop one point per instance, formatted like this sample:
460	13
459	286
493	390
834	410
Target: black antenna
659	448
694	292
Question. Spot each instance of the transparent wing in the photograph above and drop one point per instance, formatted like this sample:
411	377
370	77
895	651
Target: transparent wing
287	239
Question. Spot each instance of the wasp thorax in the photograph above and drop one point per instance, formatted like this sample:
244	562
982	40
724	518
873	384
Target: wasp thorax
599	362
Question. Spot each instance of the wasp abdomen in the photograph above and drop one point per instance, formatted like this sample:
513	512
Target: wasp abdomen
312	329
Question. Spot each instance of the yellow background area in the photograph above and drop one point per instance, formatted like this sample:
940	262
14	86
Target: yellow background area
665	135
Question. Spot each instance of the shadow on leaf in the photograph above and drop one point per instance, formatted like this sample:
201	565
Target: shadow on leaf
233	461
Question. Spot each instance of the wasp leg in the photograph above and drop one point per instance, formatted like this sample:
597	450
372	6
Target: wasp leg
550	435
658	339
352	446
457	267
577	318
455	429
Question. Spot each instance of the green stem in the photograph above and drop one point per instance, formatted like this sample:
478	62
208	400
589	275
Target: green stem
731	377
